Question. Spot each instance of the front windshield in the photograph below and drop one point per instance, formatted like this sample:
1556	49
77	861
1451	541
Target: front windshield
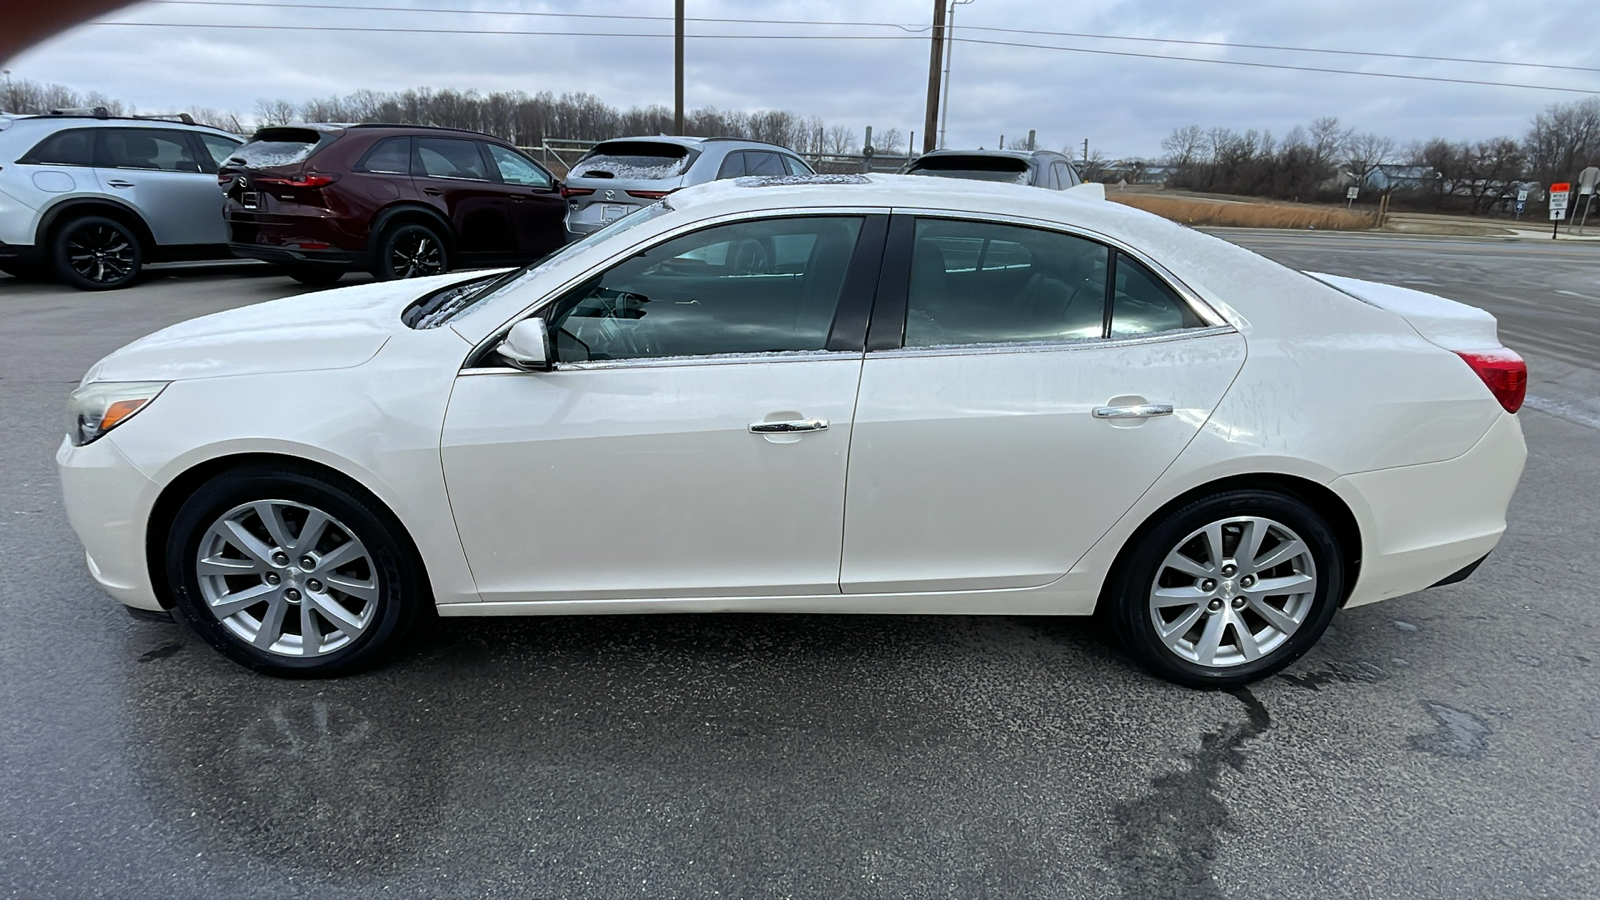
453	303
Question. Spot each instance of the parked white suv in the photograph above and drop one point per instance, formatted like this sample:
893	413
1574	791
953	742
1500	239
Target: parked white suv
92	198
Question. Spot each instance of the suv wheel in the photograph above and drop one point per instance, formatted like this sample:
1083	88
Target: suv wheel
410	250
94	253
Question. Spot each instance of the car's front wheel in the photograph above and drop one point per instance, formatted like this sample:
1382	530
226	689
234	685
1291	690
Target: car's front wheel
1228	589
293	572
410	250
95	253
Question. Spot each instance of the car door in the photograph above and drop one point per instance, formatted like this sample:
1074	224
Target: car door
167	176
691	439
453	176
1006	418
537	210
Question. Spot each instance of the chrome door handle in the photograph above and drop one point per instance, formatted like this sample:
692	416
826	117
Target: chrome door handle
1141	411
790	427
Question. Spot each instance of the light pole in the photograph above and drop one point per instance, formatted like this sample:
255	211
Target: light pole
949	51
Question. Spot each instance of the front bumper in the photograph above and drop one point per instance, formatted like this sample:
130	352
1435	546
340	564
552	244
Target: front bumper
108	502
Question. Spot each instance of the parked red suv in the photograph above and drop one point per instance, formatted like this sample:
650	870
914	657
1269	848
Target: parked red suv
398	200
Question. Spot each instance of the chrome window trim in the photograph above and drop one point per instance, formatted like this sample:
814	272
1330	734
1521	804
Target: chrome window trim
1196	303
1157	337
661	362
622	253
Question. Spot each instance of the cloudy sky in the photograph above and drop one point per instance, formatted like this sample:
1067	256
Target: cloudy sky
876	73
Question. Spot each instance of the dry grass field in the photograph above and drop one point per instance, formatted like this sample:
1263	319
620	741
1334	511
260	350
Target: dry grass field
1244	215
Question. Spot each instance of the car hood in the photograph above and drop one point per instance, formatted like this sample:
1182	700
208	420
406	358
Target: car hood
333	329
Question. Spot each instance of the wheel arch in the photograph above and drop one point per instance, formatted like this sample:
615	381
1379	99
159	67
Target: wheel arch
1319	497
409	212
182	487
67	210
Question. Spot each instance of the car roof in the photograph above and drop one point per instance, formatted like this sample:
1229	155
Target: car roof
1001	154
337	128
81	119
691	141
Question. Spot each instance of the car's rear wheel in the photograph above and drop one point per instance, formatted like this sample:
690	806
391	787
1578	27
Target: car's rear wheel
95	253
317	276
1228	589
292	572
411	250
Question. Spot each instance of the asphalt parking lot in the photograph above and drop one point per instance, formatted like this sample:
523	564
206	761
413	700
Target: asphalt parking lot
1443	744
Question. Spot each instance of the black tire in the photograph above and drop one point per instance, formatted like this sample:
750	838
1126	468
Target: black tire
94	253
1128	598
315	275
400	597
410	250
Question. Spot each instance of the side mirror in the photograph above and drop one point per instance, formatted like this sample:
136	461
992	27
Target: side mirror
527	345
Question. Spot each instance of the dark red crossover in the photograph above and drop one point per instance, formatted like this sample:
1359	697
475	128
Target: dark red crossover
400	201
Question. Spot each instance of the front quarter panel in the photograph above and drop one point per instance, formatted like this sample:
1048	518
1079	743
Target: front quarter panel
378	424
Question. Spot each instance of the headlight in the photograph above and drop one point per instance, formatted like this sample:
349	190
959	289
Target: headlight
94	409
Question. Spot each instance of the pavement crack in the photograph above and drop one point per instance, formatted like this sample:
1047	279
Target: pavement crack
1166	841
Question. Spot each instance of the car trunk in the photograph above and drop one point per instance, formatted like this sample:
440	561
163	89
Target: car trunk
618	177
271	171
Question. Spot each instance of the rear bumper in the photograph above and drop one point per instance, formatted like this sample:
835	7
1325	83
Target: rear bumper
1422	524
322	240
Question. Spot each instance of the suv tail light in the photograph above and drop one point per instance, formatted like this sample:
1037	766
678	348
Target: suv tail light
649	195
1503	371
575	192
307	179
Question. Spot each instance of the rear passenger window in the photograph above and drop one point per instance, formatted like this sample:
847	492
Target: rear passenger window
748	287
390	156
759	163
73	147
147	148
443	158
982	283
796	167
732	167
1144	304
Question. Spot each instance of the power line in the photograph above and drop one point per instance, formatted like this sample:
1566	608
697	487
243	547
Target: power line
915	29
831	37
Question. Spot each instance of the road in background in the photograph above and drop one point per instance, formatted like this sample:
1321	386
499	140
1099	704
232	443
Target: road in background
1440	745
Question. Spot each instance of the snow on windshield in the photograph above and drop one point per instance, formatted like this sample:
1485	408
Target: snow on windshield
266	154
634	160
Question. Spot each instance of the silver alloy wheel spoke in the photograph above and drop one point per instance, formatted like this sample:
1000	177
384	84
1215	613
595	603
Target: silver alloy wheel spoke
287	578
1232	591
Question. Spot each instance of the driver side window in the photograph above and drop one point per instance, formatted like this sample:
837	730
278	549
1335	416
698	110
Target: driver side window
747	287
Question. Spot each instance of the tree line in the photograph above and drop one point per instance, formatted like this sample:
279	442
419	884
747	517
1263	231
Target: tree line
1318	161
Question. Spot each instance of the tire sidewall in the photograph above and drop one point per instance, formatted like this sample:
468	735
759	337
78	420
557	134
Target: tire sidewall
63	267
1131	584
396	571
383	270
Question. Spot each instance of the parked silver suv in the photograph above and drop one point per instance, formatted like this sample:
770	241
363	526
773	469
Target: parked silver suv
93	198
620	176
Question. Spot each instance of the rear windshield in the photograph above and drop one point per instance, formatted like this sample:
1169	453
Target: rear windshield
278	147
641	160
1004	169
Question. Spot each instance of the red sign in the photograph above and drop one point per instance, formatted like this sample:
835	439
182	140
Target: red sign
1561	188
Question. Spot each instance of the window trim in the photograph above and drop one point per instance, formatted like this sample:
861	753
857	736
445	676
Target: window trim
894	286
851	291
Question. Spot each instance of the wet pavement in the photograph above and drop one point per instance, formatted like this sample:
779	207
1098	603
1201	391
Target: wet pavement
1444	744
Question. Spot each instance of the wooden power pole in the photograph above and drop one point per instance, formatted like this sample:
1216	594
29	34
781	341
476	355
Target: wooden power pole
677	61
930	122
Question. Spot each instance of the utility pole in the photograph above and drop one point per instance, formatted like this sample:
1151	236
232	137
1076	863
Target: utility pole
1085	149
930	121
677	59
949	52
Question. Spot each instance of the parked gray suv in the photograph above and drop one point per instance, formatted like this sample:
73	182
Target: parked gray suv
620	176
92	198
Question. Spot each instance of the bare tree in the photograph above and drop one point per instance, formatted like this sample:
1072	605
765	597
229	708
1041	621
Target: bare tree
276	112
1563	139
1182	146
841	139
887	142
1365	152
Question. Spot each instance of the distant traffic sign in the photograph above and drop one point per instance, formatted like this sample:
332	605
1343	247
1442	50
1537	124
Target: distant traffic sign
1558	199
1352	192
1522	204
1587	179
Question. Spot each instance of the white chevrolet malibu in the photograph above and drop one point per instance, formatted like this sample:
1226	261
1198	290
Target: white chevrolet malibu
830	394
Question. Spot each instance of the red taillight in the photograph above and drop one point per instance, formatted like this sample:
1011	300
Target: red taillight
1503	371
575	192
307	179
649	195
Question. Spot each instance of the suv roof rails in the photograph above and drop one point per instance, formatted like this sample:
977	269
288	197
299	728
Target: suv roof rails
403	125
100	112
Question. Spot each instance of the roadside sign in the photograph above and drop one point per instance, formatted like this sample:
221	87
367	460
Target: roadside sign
1522	204
1587	179
1352	192
1522	196
1558	199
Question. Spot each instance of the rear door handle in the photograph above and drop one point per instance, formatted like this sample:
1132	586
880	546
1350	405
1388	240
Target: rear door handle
433	192
119	183
790	427
1139	411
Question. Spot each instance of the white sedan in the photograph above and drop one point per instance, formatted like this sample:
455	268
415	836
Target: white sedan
831	394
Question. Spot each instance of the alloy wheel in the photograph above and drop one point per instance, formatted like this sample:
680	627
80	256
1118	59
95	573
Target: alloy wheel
287	578
416	253
1233	591
100	253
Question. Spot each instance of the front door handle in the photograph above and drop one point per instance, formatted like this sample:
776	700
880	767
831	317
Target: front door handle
1138	411
790	427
